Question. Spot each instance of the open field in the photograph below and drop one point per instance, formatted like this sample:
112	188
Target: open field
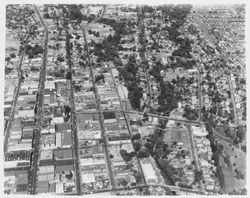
237	157
102	28
169	76
237	160
11	45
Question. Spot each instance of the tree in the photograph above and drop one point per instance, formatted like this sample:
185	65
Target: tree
230	133
68	75
174	81
125	155
111	156
67	110
149	146
122	182
231	105
143	154
7	59
239	174
243	81
99	77
77	37
30	56
13	55
46	16
137	136
169	170
198	176
137	146
227	160
191	114
241	131
60	58
97	34
138	177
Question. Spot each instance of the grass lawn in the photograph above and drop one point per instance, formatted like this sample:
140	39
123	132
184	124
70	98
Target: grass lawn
237	160
99	27
11	46
238	157
173	75
221	130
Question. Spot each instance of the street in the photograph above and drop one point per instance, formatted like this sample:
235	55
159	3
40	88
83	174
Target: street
32	183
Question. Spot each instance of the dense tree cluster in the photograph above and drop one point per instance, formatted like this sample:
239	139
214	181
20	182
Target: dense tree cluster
95	33
108	49
169	170
143	153
167	98
197	176
192	29
99	78
19	15
243	191
126	156
137	136
128	74
184	49
137	145
189	113
155	71
239	174
175	14
217	151
33	51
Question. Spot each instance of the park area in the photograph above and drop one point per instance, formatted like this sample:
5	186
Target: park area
172	74
233	164
11	46
103	29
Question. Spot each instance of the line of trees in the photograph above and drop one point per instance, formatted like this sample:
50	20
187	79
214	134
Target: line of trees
128	74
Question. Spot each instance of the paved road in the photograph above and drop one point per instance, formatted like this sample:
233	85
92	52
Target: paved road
128	127
37	128
199	93
144	59
14	103
172	188
197	165
221	136
201	98
214	42
74	131
101	119
154	115
175	119
232	98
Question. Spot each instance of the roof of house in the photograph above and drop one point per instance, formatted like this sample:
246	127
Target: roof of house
63	153
66	138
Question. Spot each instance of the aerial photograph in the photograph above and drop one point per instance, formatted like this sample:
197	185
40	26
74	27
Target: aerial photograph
124	99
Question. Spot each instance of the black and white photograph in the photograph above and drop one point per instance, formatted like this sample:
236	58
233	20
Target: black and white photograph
116	98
